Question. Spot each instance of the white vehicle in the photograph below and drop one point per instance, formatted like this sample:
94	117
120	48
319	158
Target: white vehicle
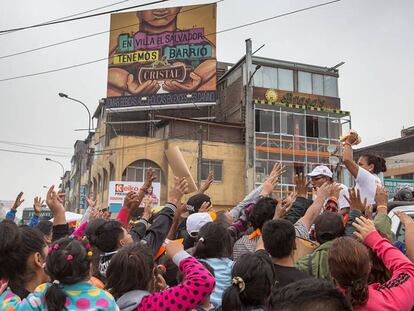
396	227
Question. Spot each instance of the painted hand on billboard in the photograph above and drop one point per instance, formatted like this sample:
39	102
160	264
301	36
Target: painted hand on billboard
198	78
18	201
121	81
147	88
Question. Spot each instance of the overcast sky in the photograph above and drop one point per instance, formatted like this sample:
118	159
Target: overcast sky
373	37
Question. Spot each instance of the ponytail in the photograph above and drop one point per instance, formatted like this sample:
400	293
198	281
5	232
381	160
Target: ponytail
55	298
358	292
231	299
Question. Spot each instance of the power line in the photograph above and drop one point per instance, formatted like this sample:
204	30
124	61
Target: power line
35	153
34	145
94	34
72	15
217	32
82	17
38	148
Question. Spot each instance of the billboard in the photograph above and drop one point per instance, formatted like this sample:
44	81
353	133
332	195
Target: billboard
162	57
119	189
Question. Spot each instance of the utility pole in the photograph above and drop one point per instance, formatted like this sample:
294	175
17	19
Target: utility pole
200	155
249	114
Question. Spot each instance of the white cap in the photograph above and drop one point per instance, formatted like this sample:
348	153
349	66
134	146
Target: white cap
321	170
196	221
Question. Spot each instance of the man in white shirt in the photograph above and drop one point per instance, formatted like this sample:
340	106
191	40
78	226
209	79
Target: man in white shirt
322	174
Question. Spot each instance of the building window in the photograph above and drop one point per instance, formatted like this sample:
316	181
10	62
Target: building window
137	170
269	77
215	166
285	79
330	86
304	82
287	123
312	126
317	84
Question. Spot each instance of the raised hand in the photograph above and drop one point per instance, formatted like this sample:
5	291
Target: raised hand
364	227
205	207
273	179
207	183
18	201
37	205
90	202
148	209
149	178
54	201
335	190
178	190
301	185
381	196
324	191
404	218
355	202
131	200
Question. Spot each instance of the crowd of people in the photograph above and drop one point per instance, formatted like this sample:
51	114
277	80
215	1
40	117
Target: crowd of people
332	250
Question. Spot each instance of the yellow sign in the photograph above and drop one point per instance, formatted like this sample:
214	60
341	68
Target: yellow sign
136	57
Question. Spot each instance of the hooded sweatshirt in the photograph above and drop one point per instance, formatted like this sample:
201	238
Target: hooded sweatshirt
397	293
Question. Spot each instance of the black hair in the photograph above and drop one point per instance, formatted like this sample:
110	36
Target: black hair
107	236
263	210
308	295
68	263
214	241
180	275
10	261
91	229
279	237
45	226
196	201
256	273
130	269
328	226
377	161
31	241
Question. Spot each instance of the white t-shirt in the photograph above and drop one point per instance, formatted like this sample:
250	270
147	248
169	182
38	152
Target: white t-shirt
367	184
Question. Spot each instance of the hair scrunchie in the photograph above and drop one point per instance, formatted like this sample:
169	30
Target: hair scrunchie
238	281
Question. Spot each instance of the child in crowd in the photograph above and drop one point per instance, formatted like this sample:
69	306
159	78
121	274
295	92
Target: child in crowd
135	290
252	280
68	265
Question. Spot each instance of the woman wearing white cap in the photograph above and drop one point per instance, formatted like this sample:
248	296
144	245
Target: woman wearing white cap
322	174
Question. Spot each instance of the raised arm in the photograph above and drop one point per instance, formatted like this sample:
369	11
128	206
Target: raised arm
197	285
315	209
11	215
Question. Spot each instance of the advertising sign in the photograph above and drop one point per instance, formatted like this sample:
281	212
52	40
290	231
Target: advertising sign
82	201
162	57
119	189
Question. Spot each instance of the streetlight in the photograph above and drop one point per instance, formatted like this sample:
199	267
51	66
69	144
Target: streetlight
63	95
63	169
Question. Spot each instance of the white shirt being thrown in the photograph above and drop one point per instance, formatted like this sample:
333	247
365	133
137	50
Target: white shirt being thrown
367	184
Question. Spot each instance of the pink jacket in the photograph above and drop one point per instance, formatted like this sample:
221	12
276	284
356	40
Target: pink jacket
397	293
198	284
